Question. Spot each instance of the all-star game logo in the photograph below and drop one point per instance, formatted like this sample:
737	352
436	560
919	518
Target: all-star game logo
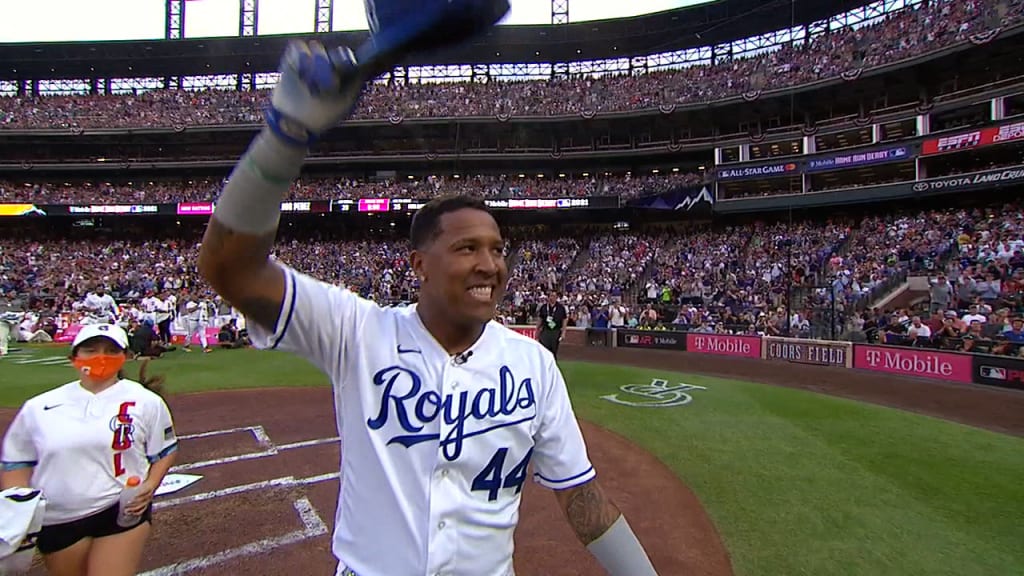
658	394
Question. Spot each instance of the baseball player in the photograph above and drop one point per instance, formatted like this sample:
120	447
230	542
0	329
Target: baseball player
10	315
78	444
166	308
197	319
149	305
101	307
440	409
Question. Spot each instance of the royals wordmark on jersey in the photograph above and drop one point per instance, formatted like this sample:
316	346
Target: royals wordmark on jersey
435	448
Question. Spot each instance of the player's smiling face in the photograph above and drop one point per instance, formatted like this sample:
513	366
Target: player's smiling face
464	267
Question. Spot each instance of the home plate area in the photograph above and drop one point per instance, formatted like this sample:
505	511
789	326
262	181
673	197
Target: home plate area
255	487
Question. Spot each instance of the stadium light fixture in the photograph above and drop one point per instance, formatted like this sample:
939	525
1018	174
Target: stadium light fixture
675	169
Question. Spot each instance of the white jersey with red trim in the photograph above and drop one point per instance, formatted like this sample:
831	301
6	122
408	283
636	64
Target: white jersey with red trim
83	447
435	447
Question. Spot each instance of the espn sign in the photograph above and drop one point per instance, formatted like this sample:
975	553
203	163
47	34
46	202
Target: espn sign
975	138
913	362
1001	371
958	142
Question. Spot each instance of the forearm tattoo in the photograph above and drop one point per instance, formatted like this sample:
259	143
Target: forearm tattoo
589	511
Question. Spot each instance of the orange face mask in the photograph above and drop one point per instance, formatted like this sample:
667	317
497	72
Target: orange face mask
101	366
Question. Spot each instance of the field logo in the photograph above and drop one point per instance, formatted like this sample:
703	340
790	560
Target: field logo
660	394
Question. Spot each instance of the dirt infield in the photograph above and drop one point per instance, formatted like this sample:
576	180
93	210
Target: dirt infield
269	461
986	407
265	504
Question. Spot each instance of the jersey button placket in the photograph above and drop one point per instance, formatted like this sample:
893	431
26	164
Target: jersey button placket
443	497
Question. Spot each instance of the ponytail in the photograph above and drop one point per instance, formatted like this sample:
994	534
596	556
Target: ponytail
154	383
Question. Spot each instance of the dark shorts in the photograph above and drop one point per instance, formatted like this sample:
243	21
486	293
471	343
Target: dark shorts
57	537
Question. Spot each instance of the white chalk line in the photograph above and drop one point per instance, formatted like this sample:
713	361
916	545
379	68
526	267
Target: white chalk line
261	437
272	451
313	526
215	433
258	432
283	482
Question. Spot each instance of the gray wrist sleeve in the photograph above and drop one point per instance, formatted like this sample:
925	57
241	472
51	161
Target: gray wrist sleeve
251	200
620	552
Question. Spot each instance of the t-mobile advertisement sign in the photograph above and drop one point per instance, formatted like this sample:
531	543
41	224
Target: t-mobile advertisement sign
725	345
913	362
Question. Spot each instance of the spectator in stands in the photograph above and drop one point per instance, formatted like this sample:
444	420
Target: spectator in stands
975	340
941	293
948	336
1011	339
973	316
918	332
915	30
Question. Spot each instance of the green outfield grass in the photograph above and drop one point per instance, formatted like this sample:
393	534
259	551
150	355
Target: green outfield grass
797	483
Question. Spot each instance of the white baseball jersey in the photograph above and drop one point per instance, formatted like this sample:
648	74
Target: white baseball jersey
104	306
202	312
84	446
192	310
435	448
149	304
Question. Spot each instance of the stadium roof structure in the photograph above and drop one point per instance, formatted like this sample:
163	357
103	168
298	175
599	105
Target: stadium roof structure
695	26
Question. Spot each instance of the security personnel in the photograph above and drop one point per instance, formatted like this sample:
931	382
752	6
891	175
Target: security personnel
552	316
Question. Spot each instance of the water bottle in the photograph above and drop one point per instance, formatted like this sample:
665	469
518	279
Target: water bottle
128	494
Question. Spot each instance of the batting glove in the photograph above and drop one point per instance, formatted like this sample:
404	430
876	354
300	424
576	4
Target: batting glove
317	90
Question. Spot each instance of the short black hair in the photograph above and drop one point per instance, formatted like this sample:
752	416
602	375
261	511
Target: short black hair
426	223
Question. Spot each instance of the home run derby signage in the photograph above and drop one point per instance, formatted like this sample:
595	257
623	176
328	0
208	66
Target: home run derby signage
658	394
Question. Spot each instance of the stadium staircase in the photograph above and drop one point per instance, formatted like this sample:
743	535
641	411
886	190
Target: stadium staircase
578	262
514	254
638	291
800	293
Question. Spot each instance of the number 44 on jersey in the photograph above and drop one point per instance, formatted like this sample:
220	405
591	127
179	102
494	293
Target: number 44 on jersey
491	480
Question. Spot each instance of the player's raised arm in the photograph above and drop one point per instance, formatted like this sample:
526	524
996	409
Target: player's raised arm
309	98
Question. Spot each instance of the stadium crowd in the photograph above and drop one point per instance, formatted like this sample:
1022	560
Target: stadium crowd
725	280
907	33
492	186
